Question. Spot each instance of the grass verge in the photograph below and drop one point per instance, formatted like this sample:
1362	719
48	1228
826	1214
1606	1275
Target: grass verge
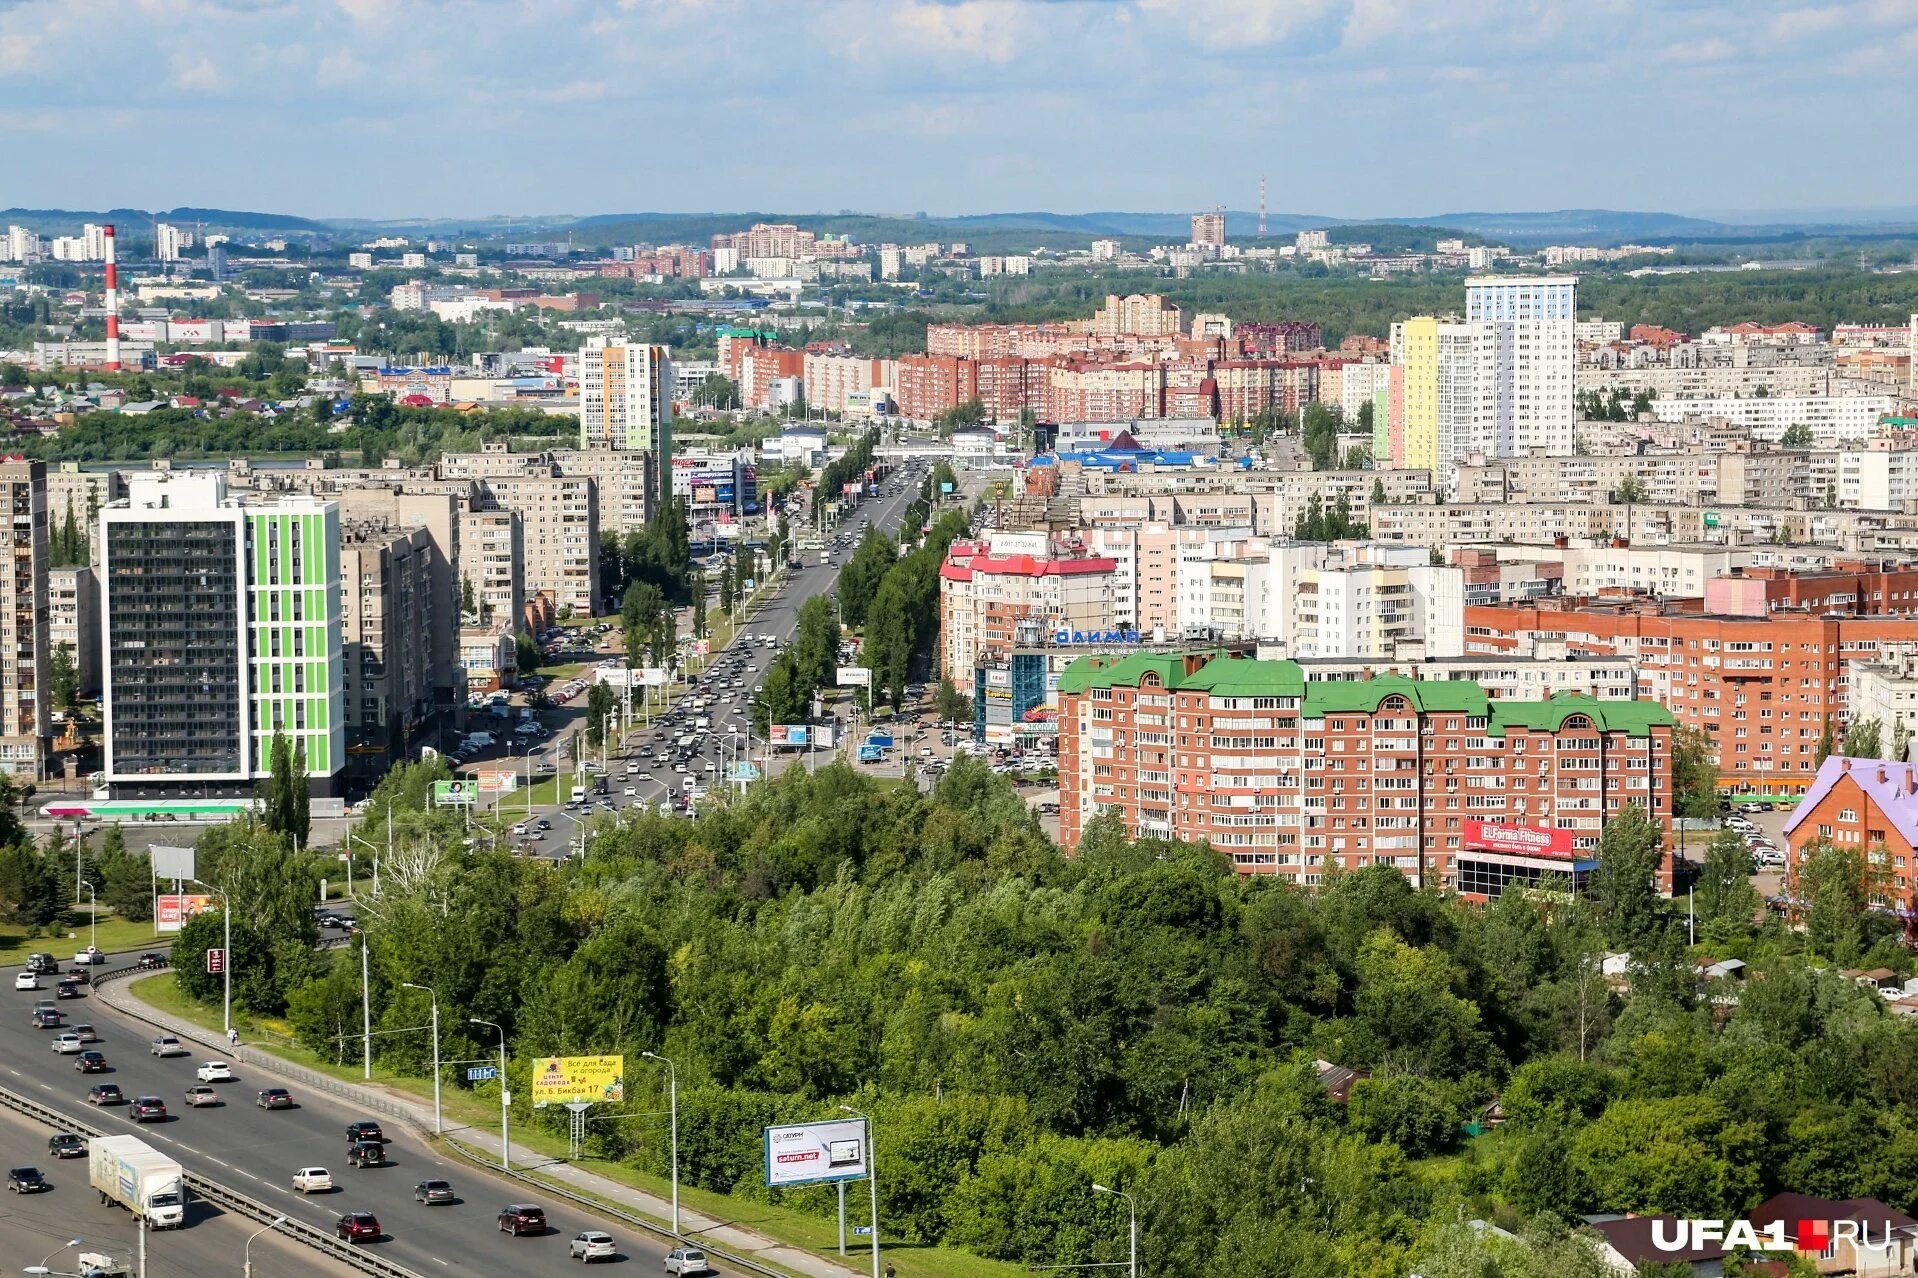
465	1109
68	937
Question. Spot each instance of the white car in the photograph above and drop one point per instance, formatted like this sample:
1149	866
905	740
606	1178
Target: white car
89	956
26	981
632	792
214	1072
67	1044
313	1180
593	1245
687	1260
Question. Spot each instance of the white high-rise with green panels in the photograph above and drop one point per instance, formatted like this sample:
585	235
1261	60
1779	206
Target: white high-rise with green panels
220	628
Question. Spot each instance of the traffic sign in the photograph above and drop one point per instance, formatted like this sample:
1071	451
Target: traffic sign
860	1231
215	962
481	1073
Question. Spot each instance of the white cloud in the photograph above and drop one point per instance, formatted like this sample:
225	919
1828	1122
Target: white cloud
197	75
994	30
1236	24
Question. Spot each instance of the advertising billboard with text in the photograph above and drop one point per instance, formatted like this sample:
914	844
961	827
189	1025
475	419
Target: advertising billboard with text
788	735
569	1080
1516	840
174	910
809	1153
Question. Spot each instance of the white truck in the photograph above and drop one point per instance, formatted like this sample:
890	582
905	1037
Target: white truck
128	1171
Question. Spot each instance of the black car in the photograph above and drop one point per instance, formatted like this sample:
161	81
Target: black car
90	1063
151	960
105	1094
47	1018
274	1098
68	989
522	1218
365	1129
26	1180
147	1109
66	1145
432	1192
366	1153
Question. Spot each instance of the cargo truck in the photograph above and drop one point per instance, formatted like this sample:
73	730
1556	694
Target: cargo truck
128	1171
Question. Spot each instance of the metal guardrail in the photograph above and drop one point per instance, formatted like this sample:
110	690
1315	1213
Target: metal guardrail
546	1185
227	1199
362	1097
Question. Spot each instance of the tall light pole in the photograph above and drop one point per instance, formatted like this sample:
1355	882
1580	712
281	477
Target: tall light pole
93	918
246	1255
226	965
375	849
872	1179
672	1108
505	1145
438	1124
1132	1228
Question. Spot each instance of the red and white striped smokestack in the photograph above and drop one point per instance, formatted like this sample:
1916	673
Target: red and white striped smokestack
113	304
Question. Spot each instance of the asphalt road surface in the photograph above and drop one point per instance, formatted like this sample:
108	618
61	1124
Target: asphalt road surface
256	1152
32	1225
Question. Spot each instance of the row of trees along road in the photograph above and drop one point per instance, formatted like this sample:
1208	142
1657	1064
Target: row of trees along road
1022	1024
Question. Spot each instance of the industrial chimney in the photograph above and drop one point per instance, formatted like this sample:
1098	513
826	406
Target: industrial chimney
113	304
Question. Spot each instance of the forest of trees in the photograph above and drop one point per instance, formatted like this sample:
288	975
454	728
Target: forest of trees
1022	1024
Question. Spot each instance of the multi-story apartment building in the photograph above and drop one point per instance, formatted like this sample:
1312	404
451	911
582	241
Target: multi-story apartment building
1878	479
220	630
73	621
987	589
26	704
439	515
1866	806
627	484
1208	230
1885	688
393	620
1761	684
626	398
1143	314
1834	420
492	562
77	496
559	518
1379	602
847	384
1293	778
1412	390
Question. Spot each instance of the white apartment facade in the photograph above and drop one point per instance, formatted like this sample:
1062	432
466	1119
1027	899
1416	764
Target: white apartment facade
1834	420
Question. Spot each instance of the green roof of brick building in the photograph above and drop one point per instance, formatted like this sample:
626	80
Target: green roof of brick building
1224	674
1633	718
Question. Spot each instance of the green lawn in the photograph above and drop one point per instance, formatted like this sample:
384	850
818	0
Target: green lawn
65	939
463	1109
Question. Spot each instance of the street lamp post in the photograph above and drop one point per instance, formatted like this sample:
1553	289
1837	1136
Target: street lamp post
226	966
672	1109
438	1124
375	849
1132	1227
93	918
505	1098
872	1180
246	1255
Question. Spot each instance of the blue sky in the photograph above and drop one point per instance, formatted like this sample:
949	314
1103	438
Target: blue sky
391	108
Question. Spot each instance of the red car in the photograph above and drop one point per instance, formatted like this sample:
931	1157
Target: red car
358	1227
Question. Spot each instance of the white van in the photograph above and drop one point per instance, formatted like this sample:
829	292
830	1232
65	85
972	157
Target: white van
577	794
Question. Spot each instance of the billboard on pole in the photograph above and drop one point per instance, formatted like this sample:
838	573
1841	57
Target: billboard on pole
808	1153
174	910
497	781
172	863
571	1080
454	794
787	735
853	677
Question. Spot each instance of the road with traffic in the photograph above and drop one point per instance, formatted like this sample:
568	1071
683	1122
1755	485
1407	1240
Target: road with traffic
34	1225
742	663
256	1151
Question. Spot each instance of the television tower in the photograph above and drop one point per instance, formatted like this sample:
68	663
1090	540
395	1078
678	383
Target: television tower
1261	207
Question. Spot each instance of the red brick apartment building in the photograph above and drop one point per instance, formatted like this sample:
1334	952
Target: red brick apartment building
1289	778
1871	806
1760	678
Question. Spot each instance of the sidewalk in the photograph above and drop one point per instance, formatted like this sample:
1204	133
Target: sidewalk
695	1227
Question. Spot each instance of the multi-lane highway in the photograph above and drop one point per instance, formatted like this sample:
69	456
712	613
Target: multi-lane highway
745	660
256	1151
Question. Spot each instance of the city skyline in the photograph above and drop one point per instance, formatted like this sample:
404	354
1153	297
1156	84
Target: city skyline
1350	108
